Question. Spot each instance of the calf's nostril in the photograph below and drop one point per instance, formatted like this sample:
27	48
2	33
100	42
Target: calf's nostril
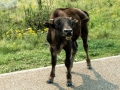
67	30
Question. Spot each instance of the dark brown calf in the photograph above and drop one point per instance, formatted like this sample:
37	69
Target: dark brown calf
65	27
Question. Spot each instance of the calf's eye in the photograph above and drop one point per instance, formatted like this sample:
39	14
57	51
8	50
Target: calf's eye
56	25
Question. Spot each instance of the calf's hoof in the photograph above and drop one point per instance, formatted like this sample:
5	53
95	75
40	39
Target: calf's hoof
49	81
89	67
69	83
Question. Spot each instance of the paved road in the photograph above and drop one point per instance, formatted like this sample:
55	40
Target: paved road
105	75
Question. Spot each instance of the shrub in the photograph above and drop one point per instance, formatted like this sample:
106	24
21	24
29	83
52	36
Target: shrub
35	16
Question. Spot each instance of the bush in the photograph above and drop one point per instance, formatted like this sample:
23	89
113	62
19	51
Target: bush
35	16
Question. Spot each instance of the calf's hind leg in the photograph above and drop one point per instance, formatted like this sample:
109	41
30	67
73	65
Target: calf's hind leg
84	37
85	45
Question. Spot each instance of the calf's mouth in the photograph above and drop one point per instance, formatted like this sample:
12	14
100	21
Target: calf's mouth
68	37
68	34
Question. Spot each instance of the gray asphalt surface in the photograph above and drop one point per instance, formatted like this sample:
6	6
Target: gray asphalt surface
105	75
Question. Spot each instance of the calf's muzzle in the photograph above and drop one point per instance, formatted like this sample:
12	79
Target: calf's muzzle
68	33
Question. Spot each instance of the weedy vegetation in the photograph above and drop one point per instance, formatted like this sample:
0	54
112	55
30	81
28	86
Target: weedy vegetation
23	42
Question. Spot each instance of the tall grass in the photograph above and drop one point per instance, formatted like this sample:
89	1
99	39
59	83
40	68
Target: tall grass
104	14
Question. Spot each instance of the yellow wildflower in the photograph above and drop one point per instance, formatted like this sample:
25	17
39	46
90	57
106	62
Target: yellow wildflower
98	11
7	33
30	30
45	29
34	34
19	34
33	6
114	16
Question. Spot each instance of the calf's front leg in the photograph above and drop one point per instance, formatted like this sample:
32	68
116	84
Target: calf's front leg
68	63
53	62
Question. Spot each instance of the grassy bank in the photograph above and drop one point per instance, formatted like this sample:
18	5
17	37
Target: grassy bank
24	56
22	47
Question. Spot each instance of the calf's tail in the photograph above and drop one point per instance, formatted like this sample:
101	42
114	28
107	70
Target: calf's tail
87	18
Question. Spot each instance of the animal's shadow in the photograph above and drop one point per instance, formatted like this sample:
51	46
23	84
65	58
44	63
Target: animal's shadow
90	84
58	86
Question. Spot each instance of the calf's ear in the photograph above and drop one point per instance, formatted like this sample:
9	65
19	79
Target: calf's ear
74	22
49	24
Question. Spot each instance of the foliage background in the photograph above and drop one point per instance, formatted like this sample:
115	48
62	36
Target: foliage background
23	42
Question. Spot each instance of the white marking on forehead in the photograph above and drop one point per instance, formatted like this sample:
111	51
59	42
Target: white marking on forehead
67	28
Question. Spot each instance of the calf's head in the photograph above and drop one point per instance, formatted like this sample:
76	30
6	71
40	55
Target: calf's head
63	26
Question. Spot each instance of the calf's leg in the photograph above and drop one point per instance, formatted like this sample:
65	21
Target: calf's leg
84	36
53	62
85	45
74	51
68	63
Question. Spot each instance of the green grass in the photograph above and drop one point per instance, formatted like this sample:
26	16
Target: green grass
22	49
39	56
